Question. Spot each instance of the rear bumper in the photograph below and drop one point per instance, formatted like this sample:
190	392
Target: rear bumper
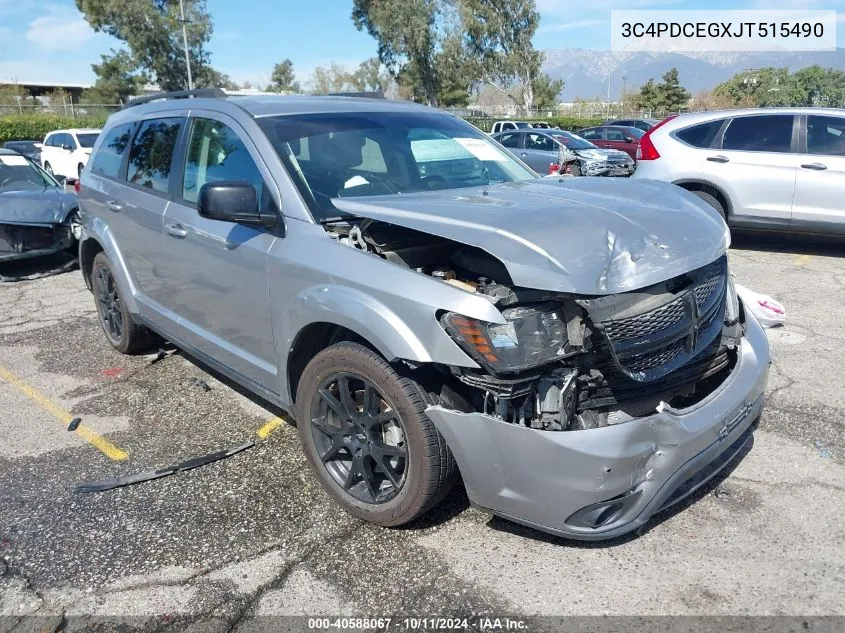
602	483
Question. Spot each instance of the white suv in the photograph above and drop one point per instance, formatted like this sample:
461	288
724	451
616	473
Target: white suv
773	168
66	152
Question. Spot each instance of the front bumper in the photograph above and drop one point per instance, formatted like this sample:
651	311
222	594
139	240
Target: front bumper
22	241
602	483
605	168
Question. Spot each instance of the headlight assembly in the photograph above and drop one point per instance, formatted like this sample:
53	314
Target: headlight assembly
732	308
534	335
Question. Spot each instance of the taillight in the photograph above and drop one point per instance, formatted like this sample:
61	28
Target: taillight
553	168
646	149
76	186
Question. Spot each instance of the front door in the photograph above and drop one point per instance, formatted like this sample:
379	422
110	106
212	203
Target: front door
819	187
216	271
540	152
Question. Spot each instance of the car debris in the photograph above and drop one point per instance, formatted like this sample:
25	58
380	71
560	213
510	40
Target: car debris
74	424
198	382
769	313
150	475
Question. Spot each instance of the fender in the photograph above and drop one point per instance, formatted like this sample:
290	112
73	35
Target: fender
393	336
98	231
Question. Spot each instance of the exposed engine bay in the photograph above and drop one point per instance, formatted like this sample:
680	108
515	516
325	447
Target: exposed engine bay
568	362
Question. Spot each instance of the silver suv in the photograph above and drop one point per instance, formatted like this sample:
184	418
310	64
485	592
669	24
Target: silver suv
422	303
774	168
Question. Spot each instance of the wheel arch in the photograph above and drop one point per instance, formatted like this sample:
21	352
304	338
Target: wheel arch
87	252
695	184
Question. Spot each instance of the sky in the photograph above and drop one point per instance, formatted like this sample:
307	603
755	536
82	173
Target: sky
49	40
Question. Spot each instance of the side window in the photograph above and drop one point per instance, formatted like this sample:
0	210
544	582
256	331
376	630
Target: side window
590	134
826	135
71	141
765	133
615	135
511	139
151	154
50	141
107	160
539	142
215	153
700	135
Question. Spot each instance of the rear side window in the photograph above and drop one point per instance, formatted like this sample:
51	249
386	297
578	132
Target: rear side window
509	140
701	135
151	155
215	153
615	135
826	135
109	156
765	133
590	134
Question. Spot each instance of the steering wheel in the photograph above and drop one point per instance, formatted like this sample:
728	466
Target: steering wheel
431	182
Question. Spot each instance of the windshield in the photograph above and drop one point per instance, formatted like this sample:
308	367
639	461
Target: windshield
382	154
87	139
17	174
572	141
22	146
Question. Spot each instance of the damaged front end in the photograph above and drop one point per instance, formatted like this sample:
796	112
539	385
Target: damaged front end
22	241
586	413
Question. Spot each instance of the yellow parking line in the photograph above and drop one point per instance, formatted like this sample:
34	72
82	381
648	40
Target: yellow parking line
88	434
269	427
803	260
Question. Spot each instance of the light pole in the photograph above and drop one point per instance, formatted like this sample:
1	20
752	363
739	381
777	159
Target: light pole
185	42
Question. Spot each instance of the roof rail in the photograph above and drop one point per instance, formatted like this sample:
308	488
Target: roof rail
198	93
362	95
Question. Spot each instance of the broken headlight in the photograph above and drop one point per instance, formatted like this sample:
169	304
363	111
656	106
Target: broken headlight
732	313
534	335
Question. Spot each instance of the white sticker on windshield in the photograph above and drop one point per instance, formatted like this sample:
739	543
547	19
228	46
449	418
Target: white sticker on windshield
481	149
13	160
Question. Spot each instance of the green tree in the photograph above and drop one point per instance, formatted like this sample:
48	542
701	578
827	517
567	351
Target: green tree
816	86
153	33
410	34
667	95
13	98
282	79
118	79
546	91
498	34
330	79
370	76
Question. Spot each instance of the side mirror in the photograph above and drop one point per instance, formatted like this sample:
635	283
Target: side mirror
232	201
67	147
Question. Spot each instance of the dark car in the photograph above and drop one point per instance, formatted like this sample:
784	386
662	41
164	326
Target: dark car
625	139
37	216
641	124
30	149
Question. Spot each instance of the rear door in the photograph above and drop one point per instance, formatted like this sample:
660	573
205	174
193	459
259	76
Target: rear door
820	184
756	167
539	151
618	139
215	272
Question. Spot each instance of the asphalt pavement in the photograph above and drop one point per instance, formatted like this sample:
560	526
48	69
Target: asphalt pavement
225	545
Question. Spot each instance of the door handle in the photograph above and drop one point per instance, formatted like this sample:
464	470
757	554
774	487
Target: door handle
815	166
176	230
113	205
718	159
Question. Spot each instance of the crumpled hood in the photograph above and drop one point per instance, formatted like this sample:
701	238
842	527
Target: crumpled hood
601	154
589	236
36	206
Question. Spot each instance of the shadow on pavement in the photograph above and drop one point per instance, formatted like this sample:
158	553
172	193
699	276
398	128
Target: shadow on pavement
780	243
38	267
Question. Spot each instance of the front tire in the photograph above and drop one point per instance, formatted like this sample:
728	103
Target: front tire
126	336
365	434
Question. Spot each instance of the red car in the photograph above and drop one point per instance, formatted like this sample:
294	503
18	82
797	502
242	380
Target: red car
614	137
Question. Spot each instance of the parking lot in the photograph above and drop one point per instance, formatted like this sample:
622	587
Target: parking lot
254	534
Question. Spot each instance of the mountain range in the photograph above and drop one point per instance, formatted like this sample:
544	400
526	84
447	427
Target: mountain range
585	71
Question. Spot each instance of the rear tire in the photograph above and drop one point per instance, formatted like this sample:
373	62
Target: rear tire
126	336
713	201
48	168
79	169
387	472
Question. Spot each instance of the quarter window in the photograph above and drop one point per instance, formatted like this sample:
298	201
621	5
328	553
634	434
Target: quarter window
826	135
107	160
151	155
766	133
701	135
216	153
